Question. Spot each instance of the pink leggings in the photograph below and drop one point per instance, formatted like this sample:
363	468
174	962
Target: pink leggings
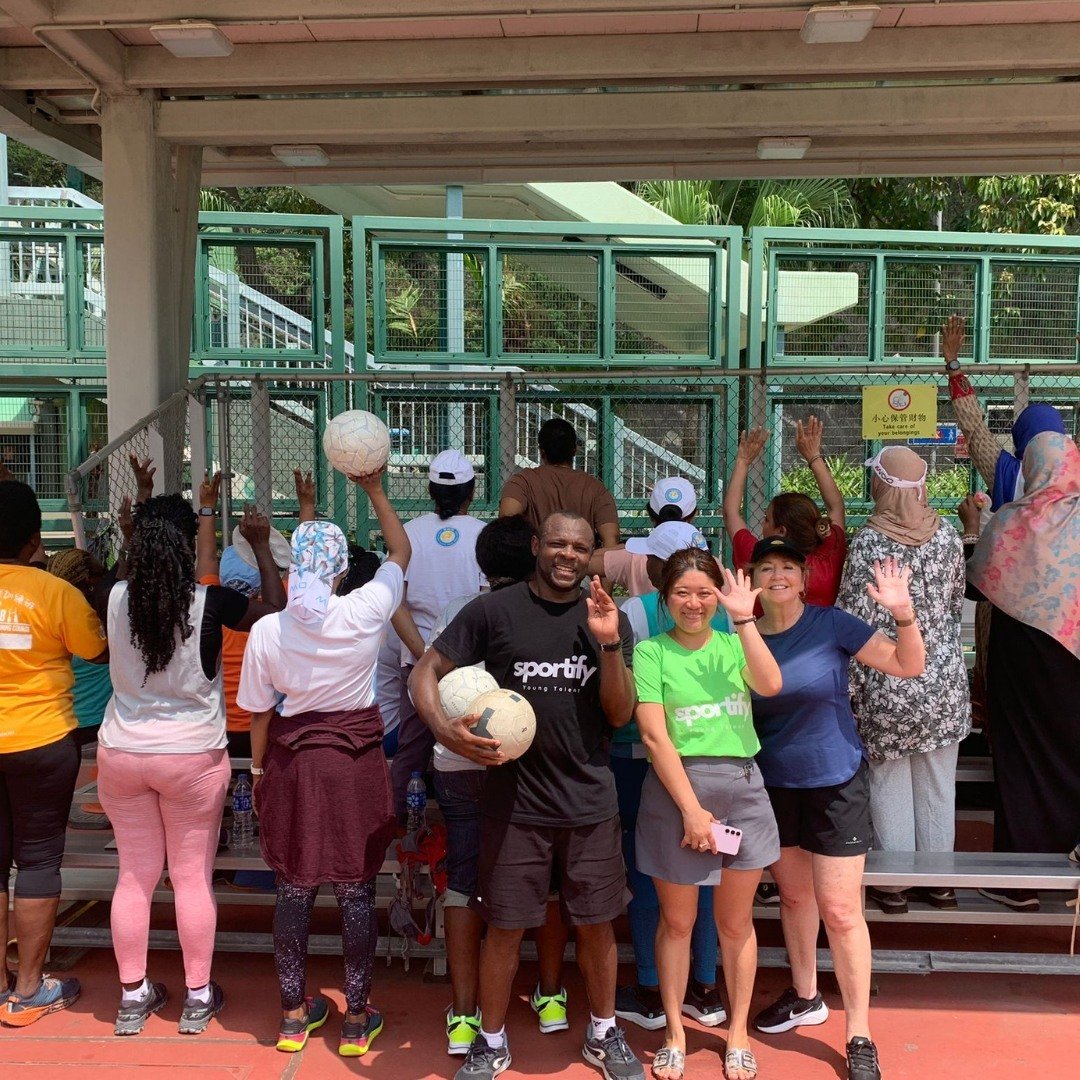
164	805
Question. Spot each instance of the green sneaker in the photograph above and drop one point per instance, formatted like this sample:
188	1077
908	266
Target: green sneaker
460	1032
551	1008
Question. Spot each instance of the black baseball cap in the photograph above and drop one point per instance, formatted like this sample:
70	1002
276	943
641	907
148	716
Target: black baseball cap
776	545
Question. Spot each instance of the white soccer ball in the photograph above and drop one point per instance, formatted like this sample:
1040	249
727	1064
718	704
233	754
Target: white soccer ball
459	689
505	715
356	442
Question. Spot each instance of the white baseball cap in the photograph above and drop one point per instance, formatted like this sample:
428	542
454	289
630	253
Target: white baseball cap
280	549
450	467
667	538
673	491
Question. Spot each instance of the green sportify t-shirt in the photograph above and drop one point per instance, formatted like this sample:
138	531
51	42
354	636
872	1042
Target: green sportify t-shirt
706	702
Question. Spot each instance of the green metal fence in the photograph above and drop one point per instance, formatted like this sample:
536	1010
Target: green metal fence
547	293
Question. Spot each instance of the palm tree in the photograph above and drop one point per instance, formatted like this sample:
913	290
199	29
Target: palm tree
820	203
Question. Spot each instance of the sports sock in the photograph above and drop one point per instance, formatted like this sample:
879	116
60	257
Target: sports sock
140	993
202	994
496	1040
600	1027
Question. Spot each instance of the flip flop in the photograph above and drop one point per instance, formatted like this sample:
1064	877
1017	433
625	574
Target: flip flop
740	1059
669	1057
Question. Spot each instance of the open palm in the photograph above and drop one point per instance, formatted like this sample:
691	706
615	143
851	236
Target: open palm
738	596
891	587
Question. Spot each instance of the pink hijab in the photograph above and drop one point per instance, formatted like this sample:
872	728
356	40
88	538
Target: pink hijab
1028	560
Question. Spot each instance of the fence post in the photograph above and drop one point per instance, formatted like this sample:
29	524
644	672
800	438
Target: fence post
197	436
507	429
221	396
262	473
758	393
1021	390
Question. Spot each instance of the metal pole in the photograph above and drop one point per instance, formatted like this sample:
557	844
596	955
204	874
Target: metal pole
455	313
262	472
221	396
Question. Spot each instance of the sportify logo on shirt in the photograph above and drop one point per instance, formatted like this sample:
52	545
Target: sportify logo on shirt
733	705
447	537
570	674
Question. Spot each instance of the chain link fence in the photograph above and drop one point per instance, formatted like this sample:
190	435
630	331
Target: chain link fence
634	427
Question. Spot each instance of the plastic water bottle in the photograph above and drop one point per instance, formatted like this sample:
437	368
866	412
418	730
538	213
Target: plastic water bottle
243	820
416	803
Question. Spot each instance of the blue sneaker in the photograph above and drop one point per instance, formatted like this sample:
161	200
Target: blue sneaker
51	996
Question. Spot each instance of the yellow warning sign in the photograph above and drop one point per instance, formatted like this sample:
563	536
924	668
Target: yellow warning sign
899	411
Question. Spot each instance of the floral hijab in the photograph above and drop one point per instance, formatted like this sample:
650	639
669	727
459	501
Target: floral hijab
1028	560
319	553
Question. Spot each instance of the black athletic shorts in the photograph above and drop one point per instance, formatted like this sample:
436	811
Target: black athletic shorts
517	863
827	820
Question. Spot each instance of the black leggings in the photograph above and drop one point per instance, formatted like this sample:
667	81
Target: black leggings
359	935
36	787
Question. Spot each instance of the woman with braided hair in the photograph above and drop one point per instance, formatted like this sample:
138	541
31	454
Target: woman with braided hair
162	758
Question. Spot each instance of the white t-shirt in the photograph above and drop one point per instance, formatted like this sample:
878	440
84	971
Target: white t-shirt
443	566
447	760
321	666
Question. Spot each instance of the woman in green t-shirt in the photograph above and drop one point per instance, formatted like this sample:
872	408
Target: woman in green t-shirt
694	713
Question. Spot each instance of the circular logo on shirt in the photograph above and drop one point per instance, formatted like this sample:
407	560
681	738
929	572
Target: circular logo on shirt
673	495
447	537
899	399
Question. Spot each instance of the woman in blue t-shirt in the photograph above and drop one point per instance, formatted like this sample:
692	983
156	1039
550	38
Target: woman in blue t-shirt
815	772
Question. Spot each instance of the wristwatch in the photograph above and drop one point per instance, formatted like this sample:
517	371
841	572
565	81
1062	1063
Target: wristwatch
207	511
952	365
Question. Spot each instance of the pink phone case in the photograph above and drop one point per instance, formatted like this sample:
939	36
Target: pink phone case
727	838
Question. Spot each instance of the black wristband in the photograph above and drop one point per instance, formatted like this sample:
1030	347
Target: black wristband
744	622
612	646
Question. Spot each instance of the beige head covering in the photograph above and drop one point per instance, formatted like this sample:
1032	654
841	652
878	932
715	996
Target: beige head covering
899	489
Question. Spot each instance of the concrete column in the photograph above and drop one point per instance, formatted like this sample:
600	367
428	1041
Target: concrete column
151	218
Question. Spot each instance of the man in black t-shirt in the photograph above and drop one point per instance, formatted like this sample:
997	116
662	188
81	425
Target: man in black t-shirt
569	655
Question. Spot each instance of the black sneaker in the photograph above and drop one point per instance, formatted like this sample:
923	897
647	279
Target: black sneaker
892	903
613	1056
131	1017
768	892
484	1062
1017	899
704	1004
640	1006
862	1062
791	1011
197	1014
936	896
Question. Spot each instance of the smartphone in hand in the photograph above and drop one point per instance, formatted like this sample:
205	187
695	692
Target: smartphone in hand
726	837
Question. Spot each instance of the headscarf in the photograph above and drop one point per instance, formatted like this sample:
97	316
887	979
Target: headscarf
235	573
1028	560
901	511
1032	421
319	553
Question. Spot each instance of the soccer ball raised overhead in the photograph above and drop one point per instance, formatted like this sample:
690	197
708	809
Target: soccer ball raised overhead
505	715
356	442
459	689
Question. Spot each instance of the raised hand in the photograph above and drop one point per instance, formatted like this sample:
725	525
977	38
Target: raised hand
603	614
210	490
144	477
891	587
952	337
751	444
808	438
305	487
255	527
370	482
738	595
970	514
125	520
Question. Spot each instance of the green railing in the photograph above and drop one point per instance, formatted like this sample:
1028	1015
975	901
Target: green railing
547	293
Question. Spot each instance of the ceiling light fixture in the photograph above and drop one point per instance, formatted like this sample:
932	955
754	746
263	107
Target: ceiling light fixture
301	157
192	38
834	24
773	149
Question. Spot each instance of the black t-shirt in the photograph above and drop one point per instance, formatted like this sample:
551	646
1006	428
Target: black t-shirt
545	652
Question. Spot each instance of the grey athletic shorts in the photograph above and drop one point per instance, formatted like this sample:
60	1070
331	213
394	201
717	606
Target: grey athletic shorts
731	790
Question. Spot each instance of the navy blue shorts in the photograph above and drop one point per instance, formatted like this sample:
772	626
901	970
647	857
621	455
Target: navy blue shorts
458	796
